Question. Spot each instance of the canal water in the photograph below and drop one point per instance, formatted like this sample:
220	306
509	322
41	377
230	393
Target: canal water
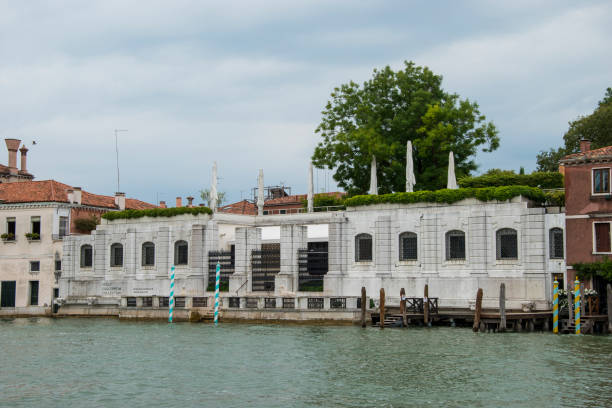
108	363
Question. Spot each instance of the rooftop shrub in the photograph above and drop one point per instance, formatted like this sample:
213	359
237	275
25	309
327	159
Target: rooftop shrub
155	212
587	270
450	196
535	179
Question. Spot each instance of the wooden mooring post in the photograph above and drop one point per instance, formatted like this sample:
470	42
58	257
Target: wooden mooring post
426	305
363	306
382	308
403	306
609	288
477	310
502	307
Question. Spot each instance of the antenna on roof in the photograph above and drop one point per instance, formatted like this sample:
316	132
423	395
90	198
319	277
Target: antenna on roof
117	152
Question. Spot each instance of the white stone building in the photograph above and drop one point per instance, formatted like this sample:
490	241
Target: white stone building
455	249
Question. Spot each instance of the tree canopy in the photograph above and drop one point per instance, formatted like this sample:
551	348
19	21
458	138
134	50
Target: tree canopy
596	127
380	116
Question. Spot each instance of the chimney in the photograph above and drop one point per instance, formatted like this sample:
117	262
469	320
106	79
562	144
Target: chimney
24	158
585	145
179	202
120	201
70	193
12	145
76	195
162	204
189	202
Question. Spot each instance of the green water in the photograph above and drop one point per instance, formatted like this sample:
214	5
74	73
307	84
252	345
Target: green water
107	363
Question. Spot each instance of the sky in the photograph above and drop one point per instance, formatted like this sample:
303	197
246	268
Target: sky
243	83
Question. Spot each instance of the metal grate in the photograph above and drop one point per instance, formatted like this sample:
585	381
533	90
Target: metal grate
234	302
288	303
363	247
312	266
270	303
455	245
507	247
200	302
408	246
227	260
315	303
556	243
147	301
164	301
266	264
337	303
131	302
251	303
179	302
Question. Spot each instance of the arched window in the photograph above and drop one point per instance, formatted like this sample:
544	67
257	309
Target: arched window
407	246
507	244
148	254
555	241
116	255
181	254
455	245
86	256
363	247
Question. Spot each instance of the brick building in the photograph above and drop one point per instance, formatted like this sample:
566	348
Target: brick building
588	206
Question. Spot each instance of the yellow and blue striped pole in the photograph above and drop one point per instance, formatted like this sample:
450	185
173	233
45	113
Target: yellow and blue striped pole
171	302
217	280
577	304
555	307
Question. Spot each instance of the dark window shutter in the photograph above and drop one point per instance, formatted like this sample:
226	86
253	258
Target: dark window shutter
602	237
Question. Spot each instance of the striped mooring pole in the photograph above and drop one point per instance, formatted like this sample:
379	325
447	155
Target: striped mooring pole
577	305
171	302
217	280
555	307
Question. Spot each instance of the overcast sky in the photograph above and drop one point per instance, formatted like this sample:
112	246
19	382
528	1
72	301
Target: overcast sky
244	82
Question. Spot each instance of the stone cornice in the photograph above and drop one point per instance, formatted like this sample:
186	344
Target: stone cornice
50	204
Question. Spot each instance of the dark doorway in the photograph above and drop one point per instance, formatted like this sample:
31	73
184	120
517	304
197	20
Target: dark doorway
33	293
7	294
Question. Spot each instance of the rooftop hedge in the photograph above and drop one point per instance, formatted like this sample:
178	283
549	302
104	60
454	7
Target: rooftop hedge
155	212
535	179
450	196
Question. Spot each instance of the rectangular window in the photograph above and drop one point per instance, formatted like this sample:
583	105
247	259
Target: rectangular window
35	223
601	181
288	303
63	226
164	301
315	303
147	301
283	211
270	303
33	293
58	265
7	293
234	302
602	237
200	302
131	302
337	303
34	266
11	229
179	302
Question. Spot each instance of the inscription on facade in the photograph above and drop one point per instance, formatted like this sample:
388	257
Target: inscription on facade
111	289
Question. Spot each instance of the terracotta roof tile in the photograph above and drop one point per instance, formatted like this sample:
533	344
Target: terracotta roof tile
54	191
601	153
241	207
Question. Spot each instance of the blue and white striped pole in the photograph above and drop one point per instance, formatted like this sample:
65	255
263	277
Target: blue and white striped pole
217	280
171	302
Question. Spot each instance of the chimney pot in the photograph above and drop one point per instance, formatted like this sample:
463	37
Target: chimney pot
585	145
162	204
76	195
24	157
179	202
120	201
12	145
189	201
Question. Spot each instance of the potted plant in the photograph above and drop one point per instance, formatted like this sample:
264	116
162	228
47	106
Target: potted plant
8	236
32	236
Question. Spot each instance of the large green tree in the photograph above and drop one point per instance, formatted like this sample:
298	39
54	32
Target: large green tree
596	127
380	116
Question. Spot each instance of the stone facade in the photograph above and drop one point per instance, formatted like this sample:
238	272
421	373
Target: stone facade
526	271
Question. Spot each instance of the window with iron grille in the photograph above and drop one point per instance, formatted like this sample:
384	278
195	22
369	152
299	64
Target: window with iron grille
226	261
555	242
315	303
63	226
265	265
200	302
131	302
251	303
181	254
601	181
86	256
408	246
270	303
363	247
358	303
602	237
455	245
34	266
147	301
234	302
337	303
148	254
116	255
179	302
164	301
507	244
288	303
58	265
